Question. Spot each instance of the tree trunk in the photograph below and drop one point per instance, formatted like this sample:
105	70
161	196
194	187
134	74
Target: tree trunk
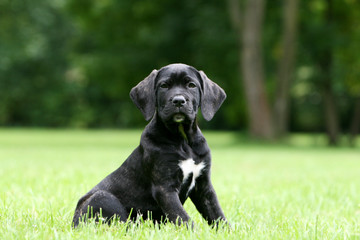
249	29
260	119
355	122
286	67
331	117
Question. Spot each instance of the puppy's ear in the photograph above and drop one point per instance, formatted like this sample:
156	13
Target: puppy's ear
212	97
143	95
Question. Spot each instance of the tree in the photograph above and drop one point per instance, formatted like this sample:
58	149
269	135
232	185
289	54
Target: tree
286	67
347	60
251	64
355	122
326	64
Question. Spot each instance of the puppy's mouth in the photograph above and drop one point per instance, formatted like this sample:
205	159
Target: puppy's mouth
179	117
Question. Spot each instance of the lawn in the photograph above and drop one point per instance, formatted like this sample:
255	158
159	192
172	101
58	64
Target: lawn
298	190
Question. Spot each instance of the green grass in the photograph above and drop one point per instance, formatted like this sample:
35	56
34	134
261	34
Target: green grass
299	190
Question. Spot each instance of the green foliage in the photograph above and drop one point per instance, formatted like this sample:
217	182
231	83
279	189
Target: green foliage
72	63
33	61
121	42
303	190
322	37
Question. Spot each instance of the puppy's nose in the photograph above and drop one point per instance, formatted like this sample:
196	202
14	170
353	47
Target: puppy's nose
178	101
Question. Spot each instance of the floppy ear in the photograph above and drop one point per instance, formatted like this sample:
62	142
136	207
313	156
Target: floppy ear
143	95
212	97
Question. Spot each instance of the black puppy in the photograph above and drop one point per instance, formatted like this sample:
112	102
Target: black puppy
173	159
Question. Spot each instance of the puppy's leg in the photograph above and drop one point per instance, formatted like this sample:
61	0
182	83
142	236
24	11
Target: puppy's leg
170	205
92	204
206	202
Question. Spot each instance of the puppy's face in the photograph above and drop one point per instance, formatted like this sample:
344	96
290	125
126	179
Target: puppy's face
178	93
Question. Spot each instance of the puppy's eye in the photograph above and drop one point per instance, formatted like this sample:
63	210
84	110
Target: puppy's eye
191	85
164	85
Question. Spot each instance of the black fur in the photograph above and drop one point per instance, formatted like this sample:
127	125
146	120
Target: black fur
150	181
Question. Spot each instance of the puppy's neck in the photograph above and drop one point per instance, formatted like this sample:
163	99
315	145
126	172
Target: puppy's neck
180	131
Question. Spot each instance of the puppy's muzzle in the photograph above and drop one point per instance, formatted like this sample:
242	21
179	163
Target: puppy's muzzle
179	101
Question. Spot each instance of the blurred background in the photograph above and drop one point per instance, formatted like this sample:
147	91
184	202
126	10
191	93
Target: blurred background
287	66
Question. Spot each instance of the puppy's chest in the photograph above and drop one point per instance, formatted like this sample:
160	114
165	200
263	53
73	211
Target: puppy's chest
190	171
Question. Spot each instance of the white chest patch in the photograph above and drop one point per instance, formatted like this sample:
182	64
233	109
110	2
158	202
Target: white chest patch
188	166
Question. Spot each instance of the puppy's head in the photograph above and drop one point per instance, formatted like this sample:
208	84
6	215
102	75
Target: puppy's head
176	92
